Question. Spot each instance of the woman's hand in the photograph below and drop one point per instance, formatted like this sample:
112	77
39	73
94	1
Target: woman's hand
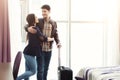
50	39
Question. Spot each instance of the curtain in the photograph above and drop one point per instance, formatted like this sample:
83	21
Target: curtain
4	33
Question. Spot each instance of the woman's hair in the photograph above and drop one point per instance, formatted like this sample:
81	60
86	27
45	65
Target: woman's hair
30	19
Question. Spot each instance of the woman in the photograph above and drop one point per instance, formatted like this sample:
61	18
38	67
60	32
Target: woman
33	48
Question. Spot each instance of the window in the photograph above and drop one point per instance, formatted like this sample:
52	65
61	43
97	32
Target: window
82	31
87	33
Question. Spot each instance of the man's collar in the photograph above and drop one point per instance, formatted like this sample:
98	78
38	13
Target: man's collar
47	20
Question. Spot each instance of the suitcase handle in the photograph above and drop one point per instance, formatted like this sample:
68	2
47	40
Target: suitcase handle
61	67
59	58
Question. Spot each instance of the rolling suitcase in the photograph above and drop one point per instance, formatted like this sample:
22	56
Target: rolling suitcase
64	73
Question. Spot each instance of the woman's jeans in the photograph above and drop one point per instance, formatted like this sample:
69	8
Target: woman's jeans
42	65
30	65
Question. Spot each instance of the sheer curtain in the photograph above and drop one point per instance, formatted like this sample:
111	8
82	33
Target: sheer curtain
112	55
15	27
4	33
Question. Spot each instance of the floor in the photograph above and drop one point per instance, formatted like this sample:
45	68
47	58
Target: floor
5	71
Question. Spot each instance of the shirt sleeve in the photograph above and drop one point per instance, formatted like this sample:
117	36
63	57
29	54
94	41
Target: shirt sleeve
26	27
40	35
56	37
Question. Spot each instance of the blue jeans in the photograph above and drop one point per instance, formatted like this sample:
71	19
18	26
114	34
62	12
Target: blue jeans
42	65
30	65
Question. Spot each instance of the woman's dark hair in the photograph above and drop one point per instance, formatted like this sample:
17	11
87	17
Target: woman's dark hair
30	19
46	7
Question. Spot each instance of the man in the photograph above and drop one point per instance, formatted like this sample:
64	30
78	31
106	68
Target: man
49	28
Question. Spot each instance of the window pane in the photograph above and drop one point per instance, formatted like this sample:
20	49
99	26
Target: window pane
86	45
87	10
58	8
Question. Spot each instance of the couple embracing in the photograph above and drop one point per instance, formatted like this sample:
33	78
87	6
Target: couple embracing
40	35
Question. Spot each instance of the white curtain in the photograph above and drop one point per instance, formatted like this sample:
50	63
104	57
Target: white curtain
15	26
112	33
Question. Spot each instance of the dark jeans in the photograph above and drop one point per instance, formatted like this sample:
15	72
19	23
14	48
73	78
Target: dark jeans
42	65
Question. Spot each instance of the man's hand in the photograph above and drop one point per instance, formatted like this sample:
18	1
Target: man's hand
32	30
50	39
59	45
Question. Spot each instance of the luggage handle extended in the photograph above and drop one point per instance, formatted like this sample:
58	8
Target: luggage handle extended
59	58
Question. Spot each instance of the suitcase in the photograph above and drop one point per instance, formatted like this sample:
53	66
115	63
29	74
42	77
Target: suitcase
64	73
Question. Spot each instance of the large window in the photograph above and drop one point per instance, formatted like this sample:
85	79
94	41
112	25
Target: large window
82	27
87	33
59	13
87	45
88	10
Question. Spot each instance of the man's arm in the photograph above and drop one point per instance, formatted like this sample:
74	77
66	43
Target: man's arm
56	37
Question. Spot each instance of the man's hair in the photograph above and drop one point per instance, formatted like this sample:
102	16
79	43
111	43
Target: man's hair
46	7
